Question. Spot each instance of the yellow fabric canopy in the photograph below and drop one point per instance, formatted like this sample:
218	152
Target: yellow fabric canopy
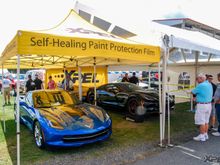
74	42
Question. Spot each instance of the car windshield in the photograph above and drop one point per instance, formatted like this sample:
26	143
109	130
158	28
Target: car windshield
146	79
129	87
46	99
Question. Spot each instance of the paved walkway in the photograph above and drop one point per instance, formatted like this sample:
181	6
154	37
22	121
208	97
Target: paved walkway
190	153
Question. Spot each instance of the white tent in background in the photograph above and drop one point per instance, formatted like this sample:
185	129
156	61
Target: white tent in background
149	32
179	38
168	38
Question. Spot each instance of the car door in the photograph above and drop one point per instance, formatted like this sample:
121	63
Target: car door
122	96
107	94
27	111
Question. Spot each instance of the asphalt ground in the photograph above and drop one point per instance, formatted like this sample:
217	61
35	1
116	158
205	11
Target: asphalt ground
189	153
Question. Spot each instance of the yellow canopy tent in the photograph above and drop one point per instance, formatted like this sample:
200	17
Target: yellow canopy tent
73	42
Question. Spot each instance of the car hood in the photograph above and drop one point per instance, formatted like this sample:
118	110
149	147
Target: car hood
83	116
149	94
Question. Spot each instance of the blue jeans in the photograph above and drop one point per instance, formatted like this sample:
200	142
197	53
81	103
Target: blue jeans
217	107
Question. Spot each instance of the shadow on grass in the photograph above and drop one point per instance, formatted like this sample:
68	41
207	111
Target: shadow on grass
121	112
30	152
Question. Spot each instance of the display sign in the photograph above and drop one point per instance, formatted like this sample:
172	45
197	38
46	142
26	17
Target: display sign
87	76
40	43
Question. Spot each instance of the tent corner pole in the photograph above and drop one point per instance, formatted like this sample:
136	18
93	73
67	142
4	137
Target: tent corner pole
168	105
3	100
160	107
149	76
94	64
164	75
65	82
80	81
18	110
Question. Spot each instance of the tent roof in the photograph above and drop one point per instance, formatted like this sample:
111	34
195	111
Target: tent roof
75	41
186	42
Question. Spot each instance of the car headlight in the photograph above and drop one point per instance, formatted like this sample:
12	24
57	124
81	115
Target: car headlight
107	117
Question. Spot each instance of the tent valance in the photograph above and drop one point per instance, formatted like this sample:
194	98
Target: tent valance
75	40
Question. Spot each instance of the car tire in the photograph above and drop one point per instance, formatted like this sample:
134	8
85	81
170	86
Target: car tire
132	106
38	135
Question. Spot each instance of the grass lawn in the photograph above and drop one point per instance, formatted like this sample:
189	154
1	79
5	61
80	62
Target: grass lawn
125	133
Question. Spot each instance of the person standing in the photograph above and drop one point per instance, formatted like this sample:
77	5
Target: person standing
38	83
125	78
30	85
51	83
212	120
6	85
217	106
134	79
67	83
203	92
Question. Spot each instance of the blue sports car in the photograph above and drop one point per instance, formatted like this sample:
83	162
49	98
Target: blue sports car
57	118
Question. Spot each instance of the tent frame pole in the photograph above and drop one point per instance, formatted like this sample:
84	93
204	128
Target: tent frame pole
80	81
191	102
18	110
164	93
95	101
160	106
3	100
196	65
166	40
168	104
64	69
149	76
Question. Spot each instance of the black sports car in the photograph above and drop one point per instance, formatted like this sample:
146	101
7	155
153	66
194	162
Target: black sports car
136	100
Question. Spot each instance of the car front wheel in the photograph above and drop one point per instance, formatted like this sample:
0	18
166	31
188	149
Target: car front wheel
38	135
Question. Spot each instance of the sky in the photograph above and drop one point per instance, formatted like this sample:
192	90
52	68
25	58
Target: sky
42	14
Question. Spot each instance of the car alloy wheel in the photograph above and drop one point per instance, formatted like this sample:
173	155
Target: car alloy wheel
132	106
38	136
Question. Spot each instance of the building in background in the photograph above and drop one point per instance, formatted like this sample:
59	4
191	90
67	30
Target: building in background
189	24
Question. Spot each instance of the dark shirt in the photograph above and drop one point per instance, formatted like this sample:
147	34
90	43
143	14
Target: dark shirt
214	89
134	80
125	79
30	85
38	83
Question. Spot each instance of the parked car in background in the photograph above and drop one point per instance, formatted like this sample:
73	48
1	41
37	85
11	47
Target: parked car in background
21	79
134	99
39	72
58	118
6	72
154	83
